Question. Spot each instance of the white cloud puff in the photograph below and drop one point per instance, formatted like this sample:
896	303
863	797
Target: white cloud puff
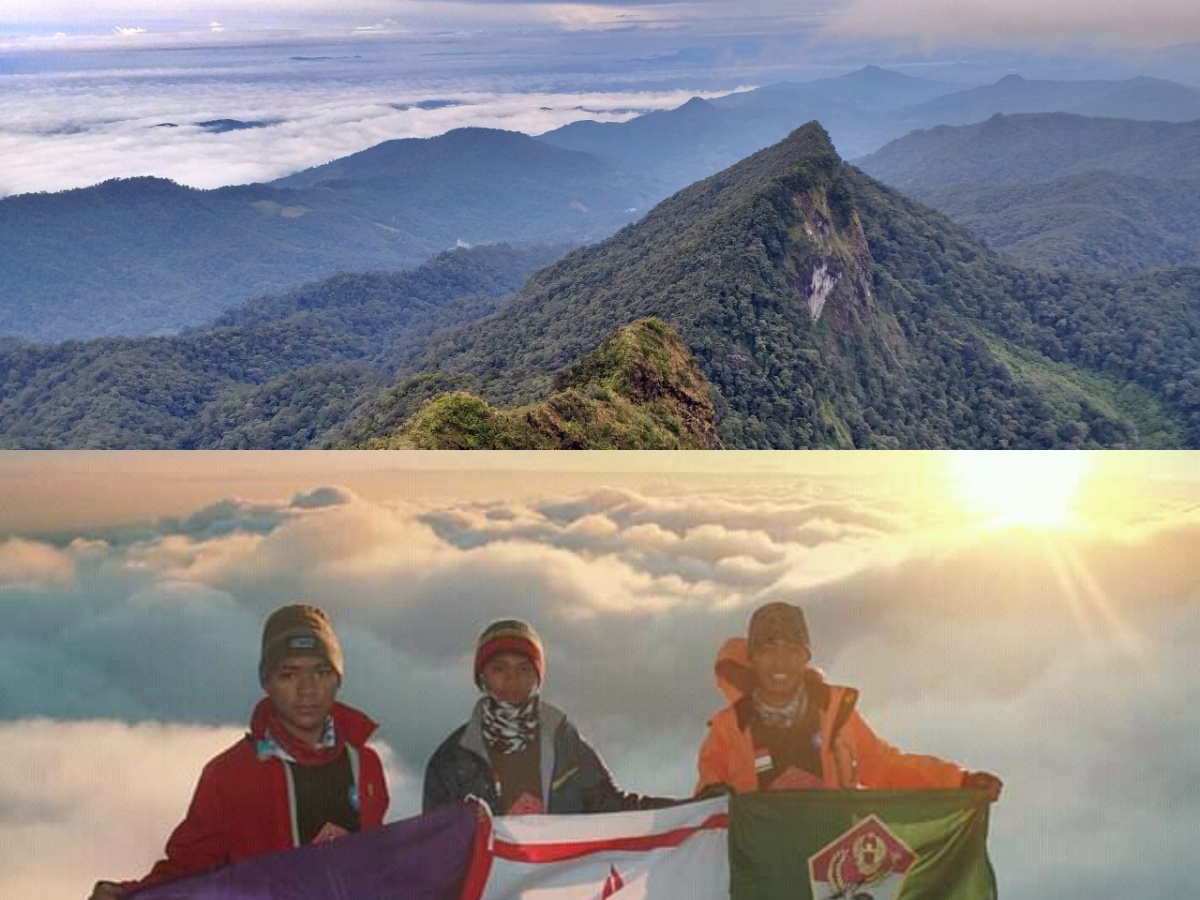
70	825
23	561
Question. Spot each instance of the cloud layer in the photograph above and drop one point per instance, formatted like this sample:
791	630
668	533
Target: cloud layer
1064	664
143	115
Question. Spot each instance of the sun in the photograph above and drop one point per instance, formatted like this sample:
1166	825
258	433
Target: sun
1007	488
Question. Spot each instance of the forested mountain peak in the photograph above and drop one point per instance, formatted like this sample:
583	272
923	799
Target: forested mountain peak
764	269
827	310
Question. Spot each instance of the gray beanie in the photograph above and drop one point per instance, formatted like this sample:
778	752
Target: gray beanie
299	630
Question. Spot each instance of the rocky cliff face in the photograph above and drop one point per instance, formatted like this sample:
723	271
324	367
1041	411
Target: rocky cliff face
824	254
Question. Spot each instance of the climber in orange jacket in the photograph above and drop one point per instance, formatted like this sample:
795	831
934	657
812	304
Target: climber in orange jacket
786	728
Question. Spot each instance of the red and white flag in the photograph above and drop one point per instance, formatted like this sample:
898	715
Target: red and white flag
660	854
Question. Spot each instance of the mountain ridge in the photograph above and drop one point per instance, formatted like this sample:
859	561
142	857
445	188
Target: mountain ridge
152	257
640	389
1028	147
236	378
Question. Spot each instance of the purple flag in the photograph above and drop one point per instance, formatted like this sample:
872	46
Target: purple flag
424	858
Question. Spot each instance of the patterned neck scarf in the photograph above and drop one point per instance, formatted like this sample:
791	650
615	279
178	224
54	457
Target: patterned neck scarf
278	741
510	727
784	716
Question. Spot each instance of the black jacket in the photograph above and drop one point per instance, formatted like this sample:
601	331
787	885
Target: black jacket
574	778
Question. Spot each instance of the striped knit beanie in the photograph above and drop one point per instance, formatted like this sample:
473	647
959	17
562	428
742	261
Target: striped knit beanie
509	636
299	630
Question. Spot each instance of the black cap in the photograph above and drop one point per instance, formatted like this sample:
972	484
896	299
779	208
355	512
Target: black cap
778	622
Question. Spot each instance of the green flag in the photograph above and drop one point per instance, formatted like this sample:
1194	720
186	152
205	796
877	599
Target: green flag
860	845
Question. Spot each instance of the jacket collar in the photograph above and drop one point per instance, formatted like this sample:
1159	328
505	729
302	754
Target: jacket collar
820	695
353	726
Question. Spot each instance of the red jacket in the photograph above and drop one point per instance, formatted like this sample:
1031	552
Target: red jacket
241	806
851	753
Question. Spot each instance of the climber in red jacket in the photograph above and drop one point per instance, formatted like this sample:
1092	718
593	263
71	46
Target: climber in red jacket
302	773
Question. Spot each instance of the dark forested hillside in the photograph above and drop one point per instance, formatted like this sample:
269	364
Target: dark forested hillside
1097	221
828	311
147	256
1026	148
253	380
1058	190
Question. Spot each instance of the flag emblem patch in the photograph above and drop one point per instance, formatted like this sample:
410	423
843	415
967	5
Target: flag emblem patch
867	862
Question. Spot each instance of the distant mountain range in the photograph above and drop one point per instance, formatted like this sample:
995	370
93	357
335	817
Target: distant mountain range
822	308
1149	99
1060	190
679	146
146	256
861	112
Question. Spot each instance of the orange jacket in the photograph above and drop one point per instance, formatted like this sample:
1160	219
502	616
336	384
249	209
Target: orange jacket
851	754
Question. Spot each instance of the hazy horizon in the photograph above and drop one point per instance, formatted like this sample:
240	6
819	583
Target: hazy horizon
120	89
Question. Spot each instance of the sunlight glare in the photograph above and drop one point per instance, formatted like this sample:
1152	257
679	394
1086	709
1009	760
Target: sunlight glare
1019	488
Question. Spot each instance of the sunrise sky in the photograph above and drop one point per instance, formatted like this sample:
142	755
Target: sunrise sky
1043	632
985	22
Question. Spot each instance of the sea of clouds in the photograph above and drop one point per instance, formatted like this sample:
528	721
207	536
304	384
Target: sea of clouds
1065	664
73	128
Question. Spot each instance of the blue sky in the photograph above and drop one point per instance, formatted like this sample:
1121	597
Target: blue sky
1060	655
